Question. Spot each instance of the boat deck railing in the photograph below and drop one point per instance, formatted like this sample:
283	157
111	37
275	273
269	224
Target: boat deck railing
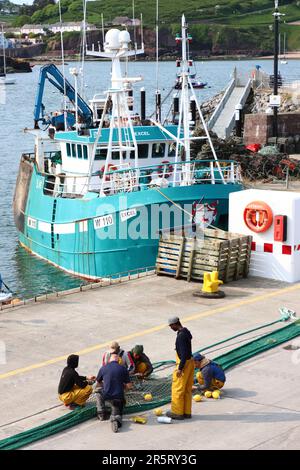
125	179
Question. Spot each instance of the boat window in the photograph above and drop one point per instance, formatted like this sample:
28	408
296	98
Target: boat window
79	151
142	151
172	150
85	152
74	150
100	154
68	150
158	150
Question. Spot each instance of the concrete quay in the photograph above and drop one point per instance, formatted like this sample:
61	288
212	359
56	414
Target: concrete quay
260	406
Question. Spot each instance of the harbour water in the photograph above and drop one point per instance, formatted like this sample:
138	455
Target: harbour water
27	275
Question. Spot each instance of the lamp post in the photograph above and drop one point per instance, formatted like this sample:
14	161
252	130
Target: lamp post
275	82
277	16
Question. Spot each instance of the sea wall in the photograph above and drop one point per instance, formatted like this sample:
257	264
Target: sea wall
259	127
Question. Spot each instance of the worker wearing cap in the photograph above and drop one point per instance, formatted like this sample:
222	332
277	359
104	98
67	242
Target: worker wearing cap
143	366
125	358
210	376
183	376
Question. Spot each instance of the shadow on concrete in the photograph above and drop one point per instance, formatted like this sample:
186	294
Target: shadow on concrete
238	393
252	417
231	292
254	282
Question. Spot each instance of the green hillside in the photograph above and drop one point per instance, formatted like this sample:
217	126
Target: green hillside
213	11
238	24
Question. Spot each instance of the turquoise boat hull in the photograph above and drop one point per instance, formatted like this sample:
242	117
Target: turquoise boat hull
96	237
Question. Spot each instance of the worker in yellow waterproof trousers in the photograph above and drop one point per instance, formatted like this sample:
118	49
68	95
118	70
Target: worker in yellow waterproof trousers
183	376
142	363
182	389
77	395
74	389
210	376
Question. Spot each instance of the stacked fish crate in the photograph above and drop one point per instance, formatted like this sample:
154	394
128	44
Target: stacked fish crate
189	257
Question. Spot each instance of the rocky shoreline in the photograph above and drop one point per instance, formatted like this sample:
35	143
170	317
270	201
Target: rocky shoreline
16	65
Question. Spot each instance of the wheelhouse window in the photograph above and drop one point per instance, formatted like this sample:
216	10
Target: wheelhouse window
68	150
79	151
101	154
73	150
171	150
85	152
143	150
158	150
116	155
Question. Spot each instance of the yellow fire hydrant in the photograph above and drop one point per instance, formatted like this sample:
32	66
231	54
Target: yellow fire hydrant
210	289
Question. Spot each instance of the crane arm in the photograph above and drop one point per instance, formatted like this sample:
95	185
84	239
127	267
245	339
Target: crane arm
51	73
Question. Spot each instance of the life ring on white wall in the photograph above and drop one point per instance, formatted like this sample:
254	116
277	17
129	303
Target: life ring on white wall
258	216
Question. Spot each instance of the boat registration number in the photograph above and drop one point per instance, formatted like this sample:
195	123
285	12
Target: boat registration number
104	221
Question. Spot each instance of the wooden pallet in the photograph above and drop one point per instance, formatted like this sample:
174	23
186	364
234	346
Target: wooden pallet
227	253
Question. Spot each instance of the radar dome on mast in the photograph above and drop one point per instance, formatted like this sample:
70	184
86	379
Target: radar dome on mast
112	40
124	38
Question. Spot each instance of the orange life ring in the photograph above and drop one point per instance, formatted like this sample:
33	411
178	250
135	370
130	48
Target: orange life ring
258	216
169	171
110	167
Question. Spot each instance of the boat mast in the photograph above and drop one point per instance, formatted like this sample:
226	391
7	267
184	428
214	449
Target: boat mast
116	46
63	64
82	92
185	100
3	44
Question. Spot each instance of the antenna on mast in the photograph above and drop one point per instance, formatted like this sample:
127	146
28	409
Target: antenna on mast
63	65
134	26
83	48
142	31
102	26
157	12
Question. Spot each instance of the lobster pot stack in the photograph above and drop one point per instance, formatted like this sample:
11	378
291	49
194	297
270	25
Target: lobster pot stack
272	218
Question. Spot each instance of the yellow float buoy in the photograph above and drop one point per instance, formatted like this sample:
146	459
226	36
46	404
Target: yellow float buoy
198	376
197	397
148	397
158	412
139	419
208	394
216	394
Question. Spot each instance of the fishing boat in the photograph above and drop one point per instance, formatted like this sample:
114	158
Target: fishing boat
196	84
92	200
3	78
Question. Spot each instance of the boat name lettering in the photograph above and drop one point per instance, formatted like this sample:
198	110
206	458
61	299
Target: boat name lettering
142	133
128	214
31	222
104	221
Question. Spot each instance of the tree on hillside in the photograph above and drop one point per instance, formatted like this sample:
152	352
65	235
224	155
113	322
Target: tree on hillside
21	20
39	4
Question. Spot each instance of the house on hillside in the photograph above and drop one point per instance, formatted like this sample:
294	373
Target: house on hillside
125	21
34	28
70	26
55	28
8	44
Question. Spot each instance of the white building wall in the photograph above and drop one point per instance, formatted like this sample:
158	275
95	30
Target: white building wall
283	263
